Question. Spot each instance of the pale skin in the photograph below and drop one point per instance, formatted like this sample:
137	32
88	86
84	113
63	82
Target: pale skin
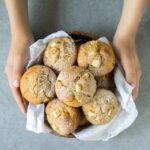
123	43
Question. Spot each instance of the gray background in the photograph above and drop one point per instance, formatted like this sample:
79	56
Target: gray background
95	16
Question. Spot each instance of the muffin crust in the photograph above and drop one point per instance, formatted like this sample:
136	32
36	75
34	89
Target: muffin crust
37	84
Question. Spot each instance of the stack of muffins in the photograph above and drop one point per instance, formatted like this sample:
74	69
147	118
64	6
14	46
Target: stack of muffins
75	82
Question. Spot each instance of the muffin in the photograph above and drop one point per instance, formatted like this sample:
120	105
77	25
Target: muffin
38	84
106	81
60	53
97	56
75	86
102	108
62	118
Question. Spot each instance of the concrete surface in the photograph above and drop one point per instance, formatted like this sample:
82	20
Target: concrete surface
95	16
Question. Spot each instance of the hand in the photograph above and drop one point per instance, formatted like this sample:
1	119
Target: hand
126	53
16	61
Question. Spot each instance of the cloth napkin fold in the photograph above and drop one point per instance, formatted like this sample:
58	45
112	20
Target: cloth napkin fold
125	117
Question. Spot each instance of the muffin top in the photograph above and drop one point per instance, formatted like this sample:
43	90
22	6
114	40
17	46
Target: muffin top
97	56
37	84
60	53
103	107
75	86
62	118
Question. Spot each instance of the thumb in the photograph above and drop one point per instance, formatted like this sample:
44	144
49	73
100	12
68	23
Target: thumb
18	68
130	72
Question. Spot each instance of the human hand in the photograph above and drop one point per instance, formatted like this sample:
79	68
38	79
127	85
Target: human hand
126	52
16	61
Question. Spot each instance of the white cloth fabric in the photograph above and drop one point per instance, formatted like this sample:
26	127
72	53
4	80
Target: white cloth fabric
126	115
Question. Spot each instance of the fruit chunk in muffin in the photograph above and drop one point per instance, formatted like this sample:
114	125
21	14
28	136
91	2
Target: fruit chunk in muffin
75	86
97	56
62	118
60	53
102	108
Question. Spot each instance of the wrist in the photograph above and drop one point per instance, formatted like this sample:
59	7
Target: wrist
123	42
20	41
124	33
126	38
19	36
18	31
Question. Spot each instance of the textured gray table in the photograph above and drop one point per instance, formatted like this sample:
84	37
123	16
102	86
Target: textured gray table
95	16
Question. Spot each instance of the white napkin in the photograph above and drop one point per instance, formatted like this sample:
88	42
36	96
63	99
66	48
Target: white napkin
125	117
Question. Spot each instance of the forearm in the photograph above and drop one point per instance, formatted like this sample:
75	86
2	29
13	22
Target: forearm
18	16
19	48
131	16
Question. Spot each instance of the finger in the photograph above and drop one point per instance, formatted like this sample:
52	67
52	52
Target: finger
138	77
18	67
26	103
16	94
9	62
136	90
15	91
130	73
8	69
138	68
131	76
8	72
19	100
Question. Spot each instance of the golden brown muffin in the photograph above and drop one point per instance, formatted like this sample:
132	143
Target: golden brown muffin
62	118
60	53
106	81
75	86
102	108
97	56
38	84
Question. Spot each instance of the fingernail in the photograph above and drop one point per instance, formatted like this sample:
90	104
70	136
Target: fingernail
24	112
16	83
133	85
